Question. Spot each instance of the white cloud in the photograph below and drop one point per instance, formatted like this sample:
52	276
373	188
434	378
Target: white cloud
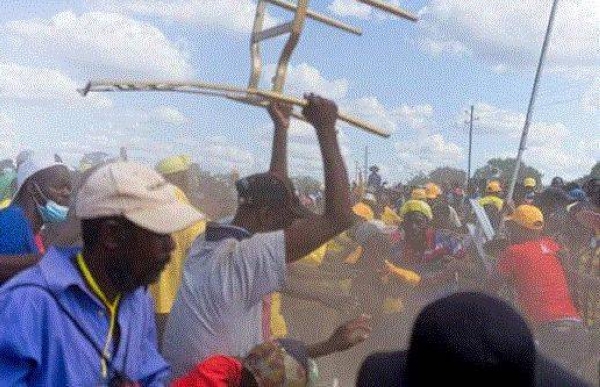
590	101
437	48
570	160
423	155
304	154
9	141
148	135
492	120
43	85
416	117
170	115
223	155
305	78
350	8
354	8
99	44
232	15
510	32
551	147
373	111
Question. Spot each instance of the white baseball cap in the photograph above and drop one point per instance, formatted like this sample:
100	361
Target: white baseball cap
137	193
32	165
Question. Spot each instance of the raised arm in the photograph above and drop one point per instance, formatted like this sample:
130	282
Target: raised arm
305	235
280	114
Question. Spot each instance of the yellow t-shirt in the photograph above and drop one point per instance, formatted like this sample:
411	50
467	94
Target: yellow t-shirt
278	324
390	218
165	289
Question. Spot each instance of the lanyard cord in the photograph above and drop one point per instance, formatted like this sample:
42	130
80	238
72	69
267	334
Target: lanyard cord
118	374
111	306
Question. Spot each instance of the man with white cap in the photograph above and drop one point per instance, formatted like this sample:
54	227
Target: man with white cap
42	196
84	314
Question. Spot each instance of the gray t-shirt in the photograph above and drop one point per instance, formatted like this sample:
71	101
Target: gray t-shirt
218	309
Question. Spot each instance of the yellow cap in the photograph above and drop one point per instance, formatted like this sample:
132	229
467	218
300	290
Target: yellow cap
528	216
389	217
416	206
174	164
418	194
432	190
529	182
493	187
364	211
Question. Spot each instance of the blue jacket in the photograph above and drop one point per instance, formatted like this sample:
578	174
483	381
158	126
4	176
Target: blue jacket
16	233
40	346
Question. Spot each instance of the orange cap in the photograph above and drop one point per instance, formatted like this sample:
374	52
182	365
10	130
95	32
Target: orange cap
493	187
432	190
528	216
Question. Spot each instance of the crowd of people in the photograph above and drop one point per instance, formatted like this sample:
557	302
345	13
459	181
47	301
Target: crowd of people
114	275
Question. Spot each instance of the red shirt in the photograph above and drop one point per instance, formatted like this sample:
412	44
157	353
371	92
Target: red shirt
216	371
539	280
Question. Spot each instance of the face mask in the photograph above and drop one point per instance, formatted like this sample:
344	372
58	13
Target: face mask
52	212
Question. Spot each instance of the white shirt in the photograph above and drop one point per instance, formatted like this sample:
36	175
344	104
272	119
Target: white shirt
218	309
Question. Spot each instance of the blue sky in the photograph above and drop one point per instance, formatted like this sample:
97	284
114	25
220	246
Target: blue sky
416	80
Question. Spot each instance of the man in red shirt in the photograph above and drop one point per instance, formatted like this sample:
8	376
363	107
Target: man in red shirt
531	265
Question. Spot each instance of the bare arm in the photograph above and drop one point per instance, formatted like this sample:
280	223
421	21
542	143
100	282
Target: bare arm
11	265
312	291
305	235
280	114
344	337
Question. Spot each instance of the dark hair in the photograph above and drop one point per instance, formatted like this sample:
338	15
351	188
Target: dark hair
557	181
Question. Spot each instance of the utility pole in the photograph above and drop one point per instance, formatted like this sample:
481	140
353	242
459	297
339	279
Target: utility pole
366	175
538	73
471	119
470	144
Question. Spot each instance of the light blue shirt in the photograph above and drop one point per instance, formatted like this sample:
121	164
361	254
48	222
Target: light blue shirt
219	305
40	346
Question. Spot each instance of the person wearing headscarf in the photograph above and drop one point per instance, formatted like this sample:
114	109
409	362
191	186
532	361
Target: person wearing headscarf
42	197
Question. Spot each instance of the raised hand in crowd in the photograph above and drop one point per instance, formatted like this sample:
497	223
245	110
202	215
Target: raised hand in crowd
280	114
344	337
321	113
